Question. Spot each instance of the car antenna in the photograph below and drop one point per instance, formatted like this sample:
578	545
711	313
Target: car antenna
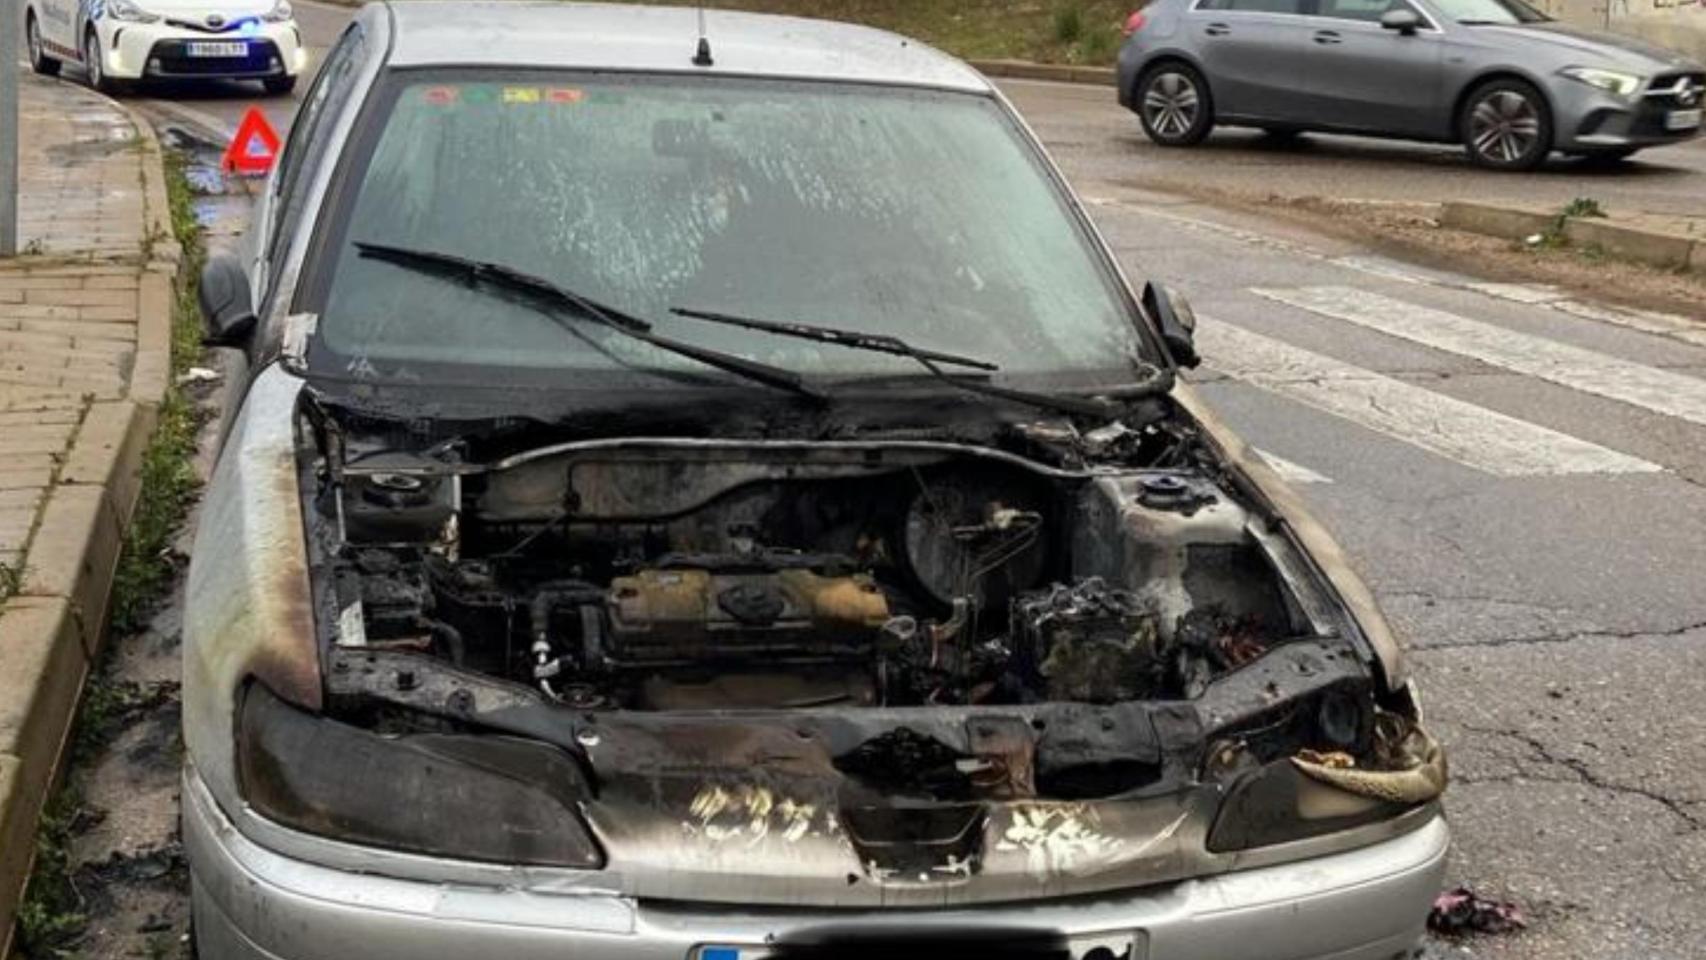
702	57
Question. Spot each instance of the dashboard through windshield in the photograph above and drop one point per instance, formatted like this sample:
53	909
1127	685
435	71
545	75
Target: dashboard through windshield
911	213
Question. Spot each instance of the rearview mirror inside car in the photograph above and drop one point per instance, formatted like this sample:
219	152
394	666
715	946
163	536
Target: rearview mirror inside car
1172	313
227	307
1403	20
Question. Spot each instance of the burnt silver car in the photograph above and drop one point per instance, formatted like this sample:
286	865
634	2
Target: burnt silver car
709	496
1505	80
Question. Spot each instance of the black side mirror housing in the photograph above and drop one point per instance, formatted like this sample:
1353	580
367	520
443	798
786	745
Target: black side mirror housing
1178	322
227	307
1403	20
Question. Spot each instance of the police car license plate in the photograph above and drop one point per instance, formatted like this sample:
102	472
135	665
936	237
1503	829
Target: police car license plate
202	48
1682	120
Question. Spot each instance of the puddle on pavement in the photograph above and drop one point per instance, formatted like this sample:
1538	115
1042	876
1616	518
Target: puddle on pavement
221	202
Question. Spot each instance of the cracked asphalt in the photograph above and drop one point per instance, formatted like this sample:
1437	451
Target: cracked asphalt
1557	623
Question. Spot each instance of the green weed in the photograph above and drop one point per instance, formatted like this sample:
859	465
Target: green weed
1068	24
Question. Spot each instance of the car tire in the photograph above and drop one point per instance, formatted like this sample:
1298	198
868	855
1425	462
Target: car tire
40	62
1174	104
1506	124
95	68
279	86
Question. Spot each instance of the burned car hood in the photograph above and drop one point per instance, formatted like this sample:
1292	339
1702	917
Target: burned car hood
887	670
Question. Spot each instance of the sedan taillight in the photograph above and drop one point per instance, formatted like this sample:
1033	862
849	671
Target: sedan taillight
1134	22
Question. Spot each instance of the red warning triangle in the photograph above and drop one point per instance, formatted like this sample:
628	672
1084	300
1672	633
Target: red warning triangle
254	148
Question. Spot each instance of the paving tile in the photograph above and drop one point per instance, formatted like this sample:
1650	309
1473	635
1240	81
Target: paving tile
24	478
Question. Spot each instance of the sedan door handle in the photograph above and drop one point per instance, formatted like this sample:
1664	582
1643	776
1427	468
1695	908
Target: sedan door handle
1327	36
1217	30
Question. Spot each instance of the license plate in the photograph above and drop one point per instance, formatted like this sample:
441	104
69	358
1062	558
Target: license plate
1125	945
1682	120
210	49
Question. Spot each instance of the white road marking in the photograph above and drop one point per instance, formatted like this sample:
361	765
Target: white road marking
1663	324
1381	267
1520	292
1292	472
1661	391
1474	436
1647	321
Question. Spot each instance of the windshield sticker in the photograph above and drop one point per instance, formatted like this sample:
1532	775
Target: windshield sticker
564	95
521	94
440	96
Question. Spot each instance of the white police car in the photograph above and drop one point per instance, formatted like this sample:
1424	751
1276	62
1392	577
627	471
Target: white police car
119	41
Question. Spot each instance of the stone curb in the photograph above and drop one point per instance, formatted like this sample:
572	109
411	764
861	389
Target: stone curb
1059	73
51	631
1621	240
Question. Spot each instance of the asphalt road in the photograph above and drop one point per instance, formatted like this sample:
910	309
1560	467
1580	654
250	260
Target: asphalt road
1523	486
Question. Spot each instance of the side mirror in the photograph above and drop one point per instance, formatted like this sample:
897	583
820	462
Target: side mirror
1178	322
227	308
1404	20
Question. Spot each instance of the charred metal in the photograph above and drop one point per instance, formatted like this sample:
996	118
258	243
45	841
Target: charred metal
903	645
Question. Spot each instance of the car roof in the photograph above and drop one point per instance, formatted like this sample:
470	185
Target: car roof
663	39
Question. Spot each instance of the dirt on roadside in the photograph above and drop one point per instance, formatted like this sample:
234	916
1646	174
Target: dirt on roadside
1413	233
123	852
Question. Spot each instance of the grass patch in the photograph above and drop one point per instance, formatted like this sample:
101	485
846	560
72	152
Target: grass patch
169	485
1583	207
1555	236
11	580
1046	31
1068	24
51	918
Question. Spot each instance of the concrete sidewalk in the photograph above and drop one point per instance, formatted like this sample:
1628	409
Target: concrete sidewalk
85	352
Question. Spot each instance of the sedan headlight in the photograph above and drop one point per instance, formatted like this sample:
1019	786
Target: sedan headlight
486	798
1611	81
281	12
1279	803
129	12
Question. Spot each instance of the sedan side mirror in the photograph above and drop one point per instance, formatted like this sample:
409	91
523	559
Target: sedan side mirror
1404	20
227	307
1178	322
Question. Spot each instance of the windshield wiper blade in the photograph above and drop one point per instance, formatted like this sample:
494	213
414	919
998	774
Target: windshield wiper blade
548	297
929	359
878	342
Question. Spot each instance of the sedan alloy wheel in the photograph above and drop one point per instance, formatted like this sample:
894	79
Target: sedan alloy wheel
1175	107
1506	126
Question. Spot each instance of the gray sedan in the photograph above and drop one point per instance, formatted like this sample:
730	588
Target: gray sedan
1498	76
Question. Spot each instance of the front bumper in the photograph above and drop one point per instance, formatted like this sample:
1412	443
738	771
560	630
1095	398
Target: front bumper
159	51
1590	120
254	904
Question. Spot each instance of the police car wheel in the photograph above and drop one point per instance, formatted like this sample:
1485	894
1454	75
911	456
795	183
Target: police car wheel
96	68
40	62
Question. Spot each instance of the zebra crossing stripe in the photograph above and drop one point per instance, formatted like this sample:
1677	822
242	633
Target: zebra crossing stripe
1660	391
1291	472
1474	436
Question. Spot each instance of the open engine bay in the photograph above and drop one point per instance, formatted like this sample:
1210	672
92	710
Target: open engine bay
1048	614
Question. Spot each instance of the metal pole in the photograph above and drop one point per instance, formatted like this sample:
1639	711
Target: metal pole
11	21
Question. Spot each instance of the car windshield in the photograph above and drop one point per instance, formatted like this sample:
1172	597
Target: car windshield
1490	11
918	214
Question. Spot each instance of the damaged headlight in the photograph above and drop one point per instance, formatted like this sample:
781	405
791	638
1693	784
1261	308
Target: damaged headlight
492	799
1313	794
